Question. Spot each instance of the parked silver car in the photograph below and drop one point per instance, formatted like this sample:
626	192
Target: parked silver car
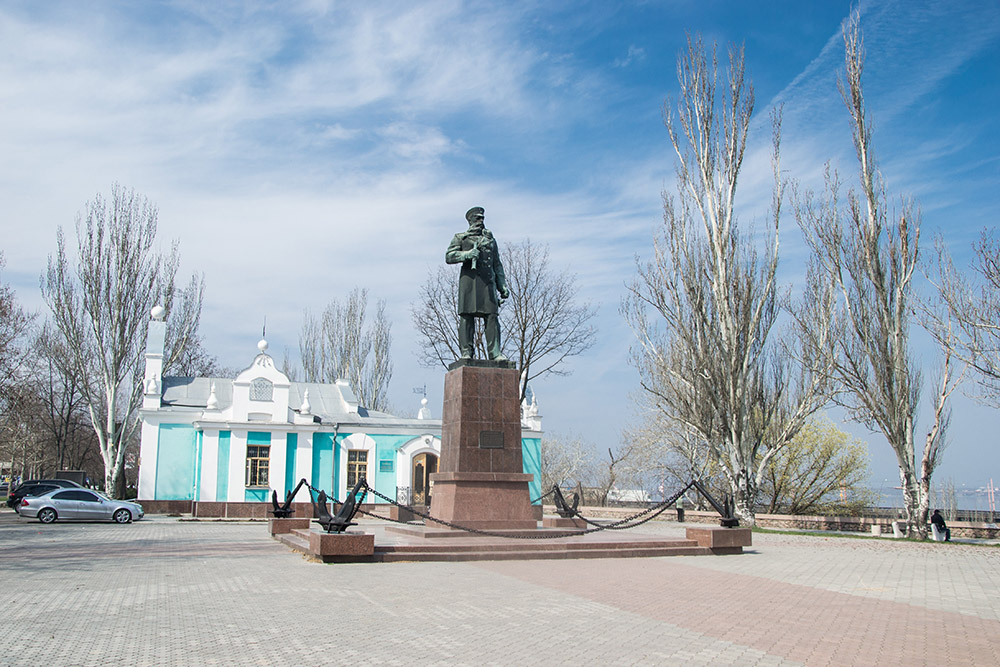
79	505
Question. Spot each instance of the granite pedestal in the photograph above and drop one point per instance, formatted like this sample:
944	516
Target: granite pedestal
481	481
721	540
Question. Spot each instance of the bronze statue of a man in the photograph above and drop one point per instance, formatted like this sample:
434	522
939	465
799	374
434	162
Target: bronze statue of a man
480	280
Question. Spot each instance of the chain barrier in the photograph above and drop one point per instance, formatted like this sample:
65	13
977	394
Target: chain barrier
626	523
622	524
544	496
630	521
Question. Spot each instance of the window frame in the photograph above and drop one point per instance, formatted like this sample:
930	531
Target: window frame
360	463
257	462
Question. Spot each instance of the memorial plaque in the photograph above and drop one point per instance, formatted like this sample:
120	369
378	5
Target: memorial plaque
491	440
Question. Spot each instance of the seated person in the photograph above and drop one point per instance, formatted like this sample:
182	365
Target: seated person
938	521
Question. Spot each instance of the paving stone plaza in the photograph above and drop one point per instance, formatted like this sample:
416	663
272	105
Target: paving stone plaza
169	592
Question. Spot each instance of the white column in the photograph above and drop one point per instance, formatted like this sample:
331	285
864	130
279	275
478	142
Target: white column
209	466
237	466
148	448
276	464
304	458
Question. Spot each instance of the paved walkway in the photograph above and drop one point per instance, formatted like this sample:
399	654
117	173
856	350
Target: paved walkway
170	592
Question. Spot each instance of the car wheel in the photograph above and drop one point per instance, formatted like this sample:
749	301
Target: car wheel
47	515
122	516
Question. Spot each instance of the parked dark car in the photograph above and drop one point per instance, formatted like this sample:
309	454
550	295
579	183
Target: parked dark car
36	487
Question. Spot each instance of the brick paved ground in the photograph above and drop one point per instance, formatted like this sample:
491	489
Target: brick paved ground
166	592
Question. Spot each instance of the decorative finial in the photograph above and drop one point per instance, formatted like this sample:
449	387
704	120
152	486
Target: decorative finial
305	408
157	313
213	401
424	412
262	345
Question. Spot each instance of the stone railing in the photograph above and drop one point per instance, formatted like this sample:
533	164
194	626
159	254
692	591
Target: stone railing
858	524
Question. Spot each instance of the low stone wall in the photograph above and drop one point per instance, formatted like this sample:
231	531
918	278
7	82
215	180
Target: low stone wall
247	510
970	529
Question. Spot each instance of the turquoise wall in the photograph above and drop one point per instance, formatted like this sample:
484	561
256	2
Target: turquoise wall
322	461
531	457
291	442
258	438
175	462
386	447
256	495
222	470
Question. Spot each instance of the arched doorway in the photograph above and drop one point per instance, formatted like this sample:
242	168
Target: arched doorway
423	466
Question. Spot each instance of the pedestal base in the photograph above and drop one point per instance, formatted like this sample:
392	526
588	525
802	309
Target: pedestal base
341	546
287	525
564	522
483	500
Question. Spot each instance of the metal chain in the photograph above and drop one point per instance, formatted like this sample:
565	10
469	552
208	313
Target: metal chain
622	524
627	522
617	525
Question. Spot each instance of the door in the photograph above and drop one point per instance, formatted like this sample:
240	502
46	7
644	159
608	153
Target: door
424	465
66	504
92	507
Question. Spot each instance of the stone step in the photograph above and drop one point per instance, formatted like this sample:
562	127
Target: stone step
534	545
535	554
295	541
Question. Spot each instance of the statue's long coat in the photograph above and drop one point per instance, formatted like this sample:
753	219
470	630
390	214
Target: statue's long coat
477	288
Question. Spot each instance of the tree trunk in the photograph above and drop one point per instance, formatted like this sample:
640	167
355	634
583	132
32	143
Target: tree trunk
744	498
915	503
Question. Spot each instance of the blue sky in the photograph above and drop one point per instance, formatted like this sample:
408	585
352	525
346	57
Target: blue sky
298	149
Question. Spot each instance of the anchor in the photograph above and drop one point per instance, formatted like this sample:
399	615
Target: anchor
340	521
285	510
563	509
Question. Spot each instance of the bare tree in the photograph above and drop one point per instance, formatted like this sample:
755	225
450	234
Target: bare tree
15	331
965	317
869	253
671	451
563	461
185	354
710	360
541	325
606	474
100	304
343	344
61	405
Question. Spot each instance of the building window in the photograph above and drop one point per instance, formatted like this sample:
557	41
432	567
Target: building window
357	466
261	389
257	464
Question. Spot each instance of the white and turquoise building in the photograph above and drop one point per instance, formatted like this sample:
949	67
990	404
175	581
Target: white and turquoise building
218	446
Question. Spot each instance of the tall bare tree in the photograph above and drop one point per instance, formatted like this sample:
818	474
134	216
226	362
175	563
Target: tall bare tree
672	452
61	405
186	355
541	325
709	359
870	253
343	344
100	302
965	317
15	330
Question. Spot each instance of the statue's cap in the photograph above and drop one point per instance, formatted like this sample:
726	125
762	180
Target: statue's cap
473	212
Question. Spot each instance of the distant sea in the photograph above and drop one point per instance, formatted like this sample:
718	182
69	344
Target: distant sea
966	499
